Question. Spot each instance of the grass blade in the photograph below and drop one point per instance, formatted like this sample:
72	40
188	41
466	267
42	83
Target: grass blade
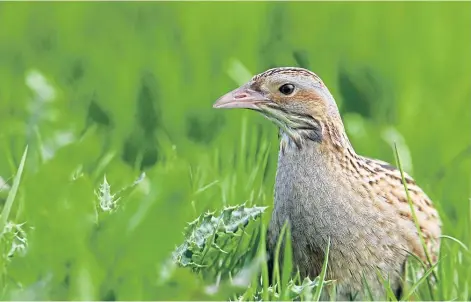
409	200
317	294
263	254
390	296
12	194
416	284
367	288
286	272
414	216
457	241
276	263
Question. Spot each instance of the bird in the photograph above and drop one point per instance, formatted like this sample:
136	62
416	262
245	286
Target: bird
329	195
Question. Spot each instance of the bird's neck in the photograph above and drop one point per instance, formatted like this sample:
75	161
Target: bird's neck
329	138
308	192
310	189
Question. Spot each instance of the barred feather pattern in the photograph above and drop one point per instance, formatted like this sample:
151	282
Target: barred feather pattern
327	192
378	180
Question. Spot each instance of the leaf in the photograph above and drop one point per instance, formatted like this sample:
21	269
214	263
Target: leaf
389	292
209	236
287	263
12	194
416	222
317	294
420	281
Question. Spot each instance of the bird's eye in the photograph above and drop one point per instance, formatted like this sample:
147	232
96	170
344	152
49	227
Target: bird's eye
287	89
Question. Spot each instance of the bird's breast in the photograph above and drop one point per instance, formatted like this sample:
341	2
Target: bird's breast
308	196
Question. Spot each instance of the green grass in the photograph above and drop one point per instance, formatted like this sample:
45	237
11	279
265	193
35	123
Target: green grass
112	90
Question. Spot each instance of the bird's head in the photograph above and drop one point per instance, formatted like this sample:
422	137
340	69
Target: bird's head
295	99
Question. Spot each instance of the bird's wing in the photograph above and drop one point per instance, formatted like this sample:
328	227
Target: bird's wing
387	183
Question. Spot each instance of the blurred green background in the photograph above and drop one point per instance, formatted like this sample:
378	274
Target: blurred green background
115	89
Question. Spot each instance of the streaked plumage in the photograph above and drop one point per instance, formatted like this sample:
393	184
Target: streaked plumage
326	191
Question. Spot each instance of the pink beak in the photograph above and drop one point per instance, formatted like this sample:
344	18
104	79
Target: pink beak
241	97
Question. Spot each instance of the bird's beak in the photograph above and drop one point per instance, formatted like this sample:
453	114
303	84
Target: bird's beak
242	97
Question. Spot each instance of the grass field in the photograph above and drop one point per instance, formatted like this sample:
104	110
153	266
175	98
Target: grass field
95	94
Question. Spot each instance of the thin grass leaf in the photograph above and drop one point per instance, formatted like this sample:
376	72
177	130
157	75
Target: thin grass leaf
40	143
420	281
12	194
455	240
297	277
263	254
204	188
238	72
411	205
276	263
405	285
367	288
333	291
424	266
287	265
389	292
317	294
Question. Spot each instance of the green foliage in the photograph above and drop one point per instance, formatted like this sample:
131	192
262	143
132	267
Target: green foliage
293	290
119	89
318	292
220	245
